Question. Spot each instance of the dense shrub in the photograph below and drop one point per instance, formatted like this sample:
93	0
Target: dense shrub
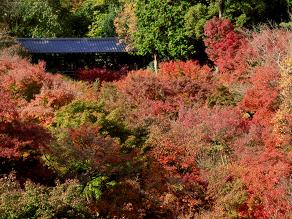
262	98
267	196
84	149
223	96
18	139
24	82
35	201
80	112
226	48
38	94
101	74
154	96
226	192
185	142
265	166
177	69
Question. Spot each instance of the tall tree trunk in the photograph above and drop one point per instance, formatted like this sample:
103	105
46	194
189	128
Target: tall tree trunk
221	8
155	63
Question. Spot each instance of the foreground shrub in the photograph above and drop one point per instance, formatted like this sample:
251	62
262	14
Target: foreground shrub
226	192
96	186
223	96
267	194
38	94
25	81
18	139
80	112
35	201
84	150
154	97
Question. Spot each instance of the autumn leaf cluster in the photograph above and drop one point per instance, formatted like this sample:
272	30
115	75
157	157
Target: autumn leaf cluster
192	141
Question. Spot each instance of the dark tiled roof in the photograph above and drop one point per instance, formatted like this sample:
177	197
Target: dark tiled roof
72	45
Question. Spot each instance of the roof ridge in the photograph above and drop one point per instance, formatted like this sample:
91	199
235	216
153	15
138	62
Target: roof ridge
75	39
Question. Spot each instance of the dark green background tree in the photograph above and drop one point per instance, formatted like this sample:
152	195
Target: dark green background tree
174	29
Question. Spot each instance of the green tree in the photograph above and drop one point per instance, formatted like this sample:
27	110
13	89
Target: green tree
174	29
251	12
126	22
197	16
7	7
100	15
162	29
103	23
73	23
32	18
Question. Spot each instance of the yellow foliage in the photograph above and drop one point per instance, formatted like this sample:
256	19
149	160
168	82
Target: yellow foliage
283	117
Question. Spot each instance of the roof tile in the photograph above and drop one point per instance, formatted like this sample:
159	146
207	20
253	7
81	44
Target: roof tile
72	45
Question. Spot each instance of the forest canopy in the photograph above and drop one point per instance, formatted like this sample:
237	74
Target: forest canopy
170	29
